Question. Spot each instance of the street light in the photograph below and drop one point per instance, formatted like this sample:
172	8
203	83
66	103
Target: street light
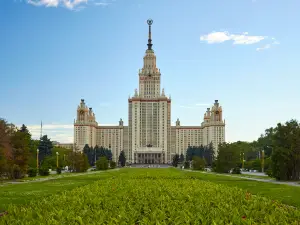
95	156
57	154
243	160
262	160
37	159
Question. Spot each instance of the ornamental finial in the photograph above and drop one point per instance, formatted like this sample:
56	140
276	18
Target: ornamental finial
149	22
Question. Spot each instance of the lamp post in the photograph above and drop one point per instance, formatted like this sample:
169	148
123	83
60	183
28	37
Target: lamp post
57	154
95	156
37	159
243	161
262	161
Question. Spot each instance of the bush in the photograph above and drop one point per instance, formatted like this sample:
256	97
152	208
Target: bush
44	171
58	170
269	172
186	164
201	202
236	170
198	163
113	165
32	172
102	163
16	172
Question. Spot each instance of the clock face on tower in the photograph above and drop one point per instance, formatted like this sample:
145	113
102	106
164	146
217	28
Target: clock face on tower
217	112
81	112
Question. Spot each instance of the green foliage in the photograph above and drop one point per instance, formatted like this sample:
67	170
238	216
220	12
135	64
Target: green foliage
286	151
32	172
175	160
44	171
198	163
228	157
206	152
163	197
58	170
102	163
16	172
45	148
95	153
78	162
122	158
181	159
236	170
49	162
113	164
186	164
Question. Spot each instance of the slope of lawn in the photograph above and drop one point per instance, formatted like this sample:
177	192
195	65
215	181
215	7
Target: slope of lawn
287	194
152	196
23	193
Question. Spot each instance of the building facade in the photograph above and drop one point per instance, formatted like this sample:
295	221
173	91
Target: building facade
149	136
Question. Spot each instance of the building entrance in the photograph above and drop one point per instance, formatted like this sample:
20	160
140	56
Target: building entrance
149	158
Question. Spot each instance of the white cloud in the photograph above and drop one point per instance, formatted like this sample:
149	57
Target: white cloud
267	46
264	47
238	39
56	132
75	5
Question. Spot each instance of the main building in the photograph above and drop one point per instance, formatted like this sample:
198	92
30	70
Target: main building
149	136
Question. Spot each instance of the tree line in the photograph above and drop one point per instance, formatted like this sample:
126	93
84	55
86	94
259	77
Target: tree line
201	156
276	152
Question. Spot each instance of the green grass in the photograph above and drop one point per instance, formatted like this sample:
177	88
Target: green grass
23	193
284	193
150	196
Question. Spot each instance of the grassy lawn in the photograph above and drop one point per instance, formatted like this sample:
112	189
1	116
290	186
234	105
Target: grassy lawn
24	192
145	196
284	193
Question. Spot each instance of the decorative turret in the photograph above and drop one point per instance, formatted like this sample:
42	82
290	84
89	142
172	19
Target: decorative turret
217	112
121	123
177	122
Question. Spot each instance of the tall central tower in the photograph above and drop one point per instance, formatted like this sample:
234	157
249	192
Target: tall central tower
149	75
149	112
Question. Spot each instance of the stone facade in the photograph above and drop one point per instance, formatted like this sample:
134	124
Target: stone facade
149	136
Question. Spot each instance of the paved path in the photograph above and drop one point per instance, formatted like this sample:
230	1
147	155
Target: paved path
252	178
255	173
53	178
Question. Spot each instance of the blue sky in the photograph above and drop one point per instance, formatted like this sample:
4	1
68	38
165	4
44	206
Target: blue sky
244	53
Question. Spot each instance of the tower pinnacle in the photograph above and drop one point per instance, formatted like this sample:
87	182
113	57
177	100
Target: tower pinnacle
149	22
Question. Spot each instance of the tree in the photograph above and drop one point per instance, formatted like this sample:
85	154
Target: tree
90	153
228	157
285	158
20	143
181	159
45	148
198	163
78	161
5	147
175	160
103	152
122	158
102	163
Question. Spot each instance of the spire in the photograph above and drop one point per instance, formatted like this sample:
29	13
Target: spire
149	22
